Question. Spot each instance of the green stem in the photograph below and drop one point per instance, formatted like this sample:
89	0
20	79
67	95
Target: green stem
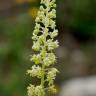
43	66
42	79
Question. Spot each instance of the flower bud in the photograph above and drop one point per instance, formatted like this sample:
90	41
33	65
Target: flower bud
36	46
54	34
36	58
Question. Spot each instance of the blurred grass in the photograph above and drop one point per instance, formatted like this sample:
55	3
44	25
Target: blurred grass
15	43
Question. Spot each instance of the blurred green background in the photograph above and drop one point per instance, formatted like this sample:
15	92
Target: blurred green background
76	21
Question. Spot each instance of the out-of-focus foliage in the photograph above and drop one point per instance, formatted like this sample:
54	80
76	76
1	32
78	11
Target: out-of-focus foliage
79	15
24	1
15	37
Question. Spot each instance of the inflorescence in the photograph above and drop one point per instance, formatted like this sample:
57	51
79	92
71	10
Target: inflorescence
44	44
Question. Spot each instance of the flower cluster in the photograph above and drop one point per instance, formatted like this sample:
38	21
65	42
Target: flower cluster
51	76
44	44
35	71
35	91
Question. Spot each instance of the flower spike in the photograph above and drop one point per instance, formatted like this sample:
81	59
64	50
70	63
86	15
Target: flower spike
44	45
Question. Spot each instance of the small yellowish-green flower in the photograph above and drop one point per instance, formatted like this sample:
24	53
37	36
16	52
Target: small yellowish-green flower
35	90
52	3
42	39
35	37
52	24
37	26
39	91
52	14
49	59
43	53
36	46
51	75
35	71
52	89
37	59
46	21
46	30
54	34
31	90
42	8
52	44
36	31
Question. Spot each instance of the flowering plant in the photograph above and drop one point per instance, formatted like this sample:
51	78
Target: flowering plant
44	44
